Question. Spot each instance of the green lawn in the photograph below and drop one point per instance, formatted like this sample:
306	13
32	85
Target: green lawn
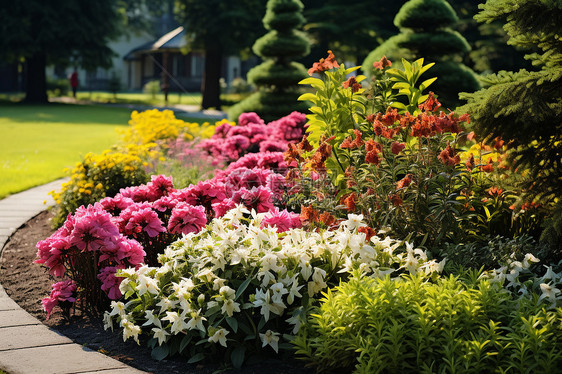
38	141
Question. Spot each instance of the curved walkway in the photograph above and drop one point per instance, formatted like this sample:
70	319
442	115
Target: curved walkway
26	345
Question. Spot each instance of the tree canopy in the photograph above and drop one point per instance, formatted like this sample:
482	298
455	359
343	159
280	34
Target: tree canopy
64	32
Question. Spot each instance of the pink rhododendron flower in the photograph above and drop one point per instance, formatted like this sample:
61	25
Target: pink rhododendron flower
273	146
224	206
137	194
143	220
92	228
258	198
109	282
165	204
250	117
159	186
115	205
61	291
50	251
186	219
283	220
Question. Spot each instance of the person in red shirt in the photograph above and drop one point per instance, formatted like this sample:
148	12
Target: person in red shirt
74	83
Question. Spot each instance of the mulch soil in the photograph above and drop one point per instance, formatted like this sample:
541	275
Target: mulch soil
27	283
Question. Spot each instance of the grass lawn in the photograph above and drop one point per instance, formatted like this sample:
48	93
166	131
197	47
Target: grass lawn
38	141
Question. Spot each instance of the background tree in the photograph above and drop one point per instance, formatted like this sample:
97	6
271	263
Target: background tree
219	28
350	28
425	32
525	107
278	76
40	32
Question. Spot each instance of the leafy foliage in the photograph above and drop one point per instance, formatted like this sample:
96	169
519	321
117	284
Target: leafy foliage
371	325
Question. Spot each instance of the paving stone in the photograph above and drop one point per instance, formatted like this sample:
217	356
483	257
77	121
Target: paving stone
8	304
6	231
56	359
18	317
30	336
128	370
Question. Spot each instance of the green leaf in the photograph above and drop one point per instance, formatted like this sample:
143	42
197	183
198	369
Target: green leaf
351	70
315	110
426	67
314	82
242	288
185	342
233	323
196	358
160	353
237	356
426	83
308	96
398	105
262	323
245	328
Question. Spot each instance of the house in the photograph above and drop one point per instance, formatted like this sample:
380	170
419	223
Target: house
141	59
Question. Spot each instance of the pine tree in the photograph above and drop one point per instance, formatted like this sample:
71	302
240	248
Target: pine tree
425	32
525	107
278	76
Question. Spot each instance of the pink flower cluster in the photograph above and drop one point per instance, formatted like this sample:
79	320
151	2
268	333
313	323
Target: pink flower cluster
252	135
64	291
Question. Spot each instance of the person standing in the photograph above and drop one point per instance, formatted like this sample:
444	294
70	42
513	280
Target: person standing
74	82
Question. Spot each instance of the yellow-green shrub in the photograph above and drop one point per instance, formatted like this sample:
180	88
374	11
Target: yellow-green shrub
411	325
96	177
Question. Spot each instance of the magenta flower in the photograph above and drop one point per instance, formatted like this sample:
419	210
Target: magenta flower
144	220
159	186
283	220
50	252
61	291
115	205
250	117
109	282
92	228
224	206
187	218
258	198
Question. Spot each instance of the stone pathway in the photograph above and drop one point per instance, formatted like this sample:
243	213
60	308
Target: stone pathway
26	345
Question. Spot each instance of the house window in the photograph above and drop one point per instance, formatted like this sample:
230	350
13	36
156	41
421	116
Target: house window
197	65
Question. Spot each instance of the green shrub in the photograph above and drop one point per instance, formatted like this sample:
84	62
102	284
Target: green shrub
152	88
410	325
57	87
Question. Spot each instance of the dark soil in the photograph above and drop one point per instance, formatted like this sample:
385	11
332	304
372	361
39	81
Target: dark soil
27	283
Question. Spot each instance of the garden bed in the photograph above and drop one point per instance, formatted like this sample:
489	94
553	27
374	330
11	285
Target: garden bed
27	284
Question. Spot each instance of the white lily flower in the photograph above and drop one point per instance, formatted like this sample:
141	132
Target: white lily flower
160	334
196	321
219	337
270	338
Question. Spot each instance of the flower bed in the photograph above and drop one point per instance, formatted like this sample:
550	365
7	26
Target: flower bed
322	232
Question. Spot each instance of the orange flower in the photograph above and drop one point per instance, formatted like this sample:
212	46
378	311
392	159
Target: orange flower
396	147
349	201
489	167
383	63
368	231
308	214
494	191
431	104
404	182
396	200
324	64
292	154
470	162
304	145
471	135
346	144
498	143
327	219
358	141
448	156
352	83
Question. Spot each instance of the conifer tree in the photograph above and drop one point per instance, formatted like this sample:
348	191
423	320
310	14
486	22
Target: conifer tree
425	32
278	76
525	107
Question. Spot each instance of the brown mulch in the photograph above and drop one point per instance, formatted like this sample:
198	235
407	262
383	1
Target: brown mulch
27	283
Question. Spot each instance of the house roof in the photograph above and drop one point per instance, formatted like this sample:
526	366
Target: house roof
172	41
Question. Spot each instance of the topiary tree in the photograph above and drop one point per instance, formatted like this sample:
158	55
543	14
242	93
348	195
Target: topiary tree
278	76
425	32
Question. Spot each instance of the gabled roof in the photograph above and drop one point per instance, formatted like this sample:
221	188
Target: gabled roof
172	41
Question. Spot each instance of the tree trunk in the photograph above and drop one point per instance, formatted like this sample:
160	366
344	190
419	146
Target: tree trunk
210	86
36	80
